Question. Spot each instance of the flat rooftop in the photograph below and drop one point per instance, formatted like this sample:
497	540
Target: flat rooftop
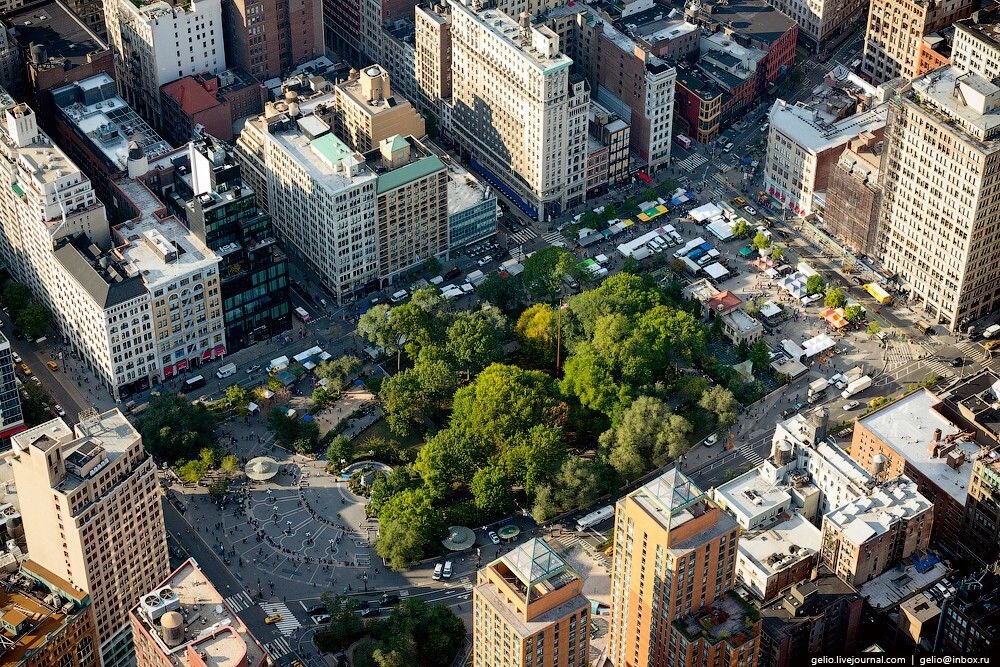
908	427
507	30
149	237
804	126
94	107
898	584
967	104
750	495
869	516
807	599
781	545
209	624
753	18
50	24
662	29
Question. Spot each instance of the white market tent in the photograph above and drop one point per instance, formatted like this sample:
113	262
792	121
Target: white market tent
817	344
278	364
792	350
794	284
705	212
627	249
691	265
721	229
770	309
716	271
301	357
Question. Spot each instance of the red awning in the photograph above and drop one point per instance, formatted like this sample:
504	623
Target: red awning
168	371
207	354
181	365
644	177
218	350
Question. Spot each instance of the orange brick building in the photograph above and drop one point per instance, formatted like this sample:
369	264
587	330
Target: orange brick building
528	609
671	576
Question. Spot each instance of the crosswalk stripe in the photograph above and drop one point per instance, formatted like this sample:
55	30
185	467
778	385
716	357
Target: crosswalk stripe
554	238
288	622
278	647
240	601
523	236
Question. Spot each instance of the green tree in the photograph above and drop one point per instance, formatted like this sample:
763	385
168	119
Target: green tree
229	465
506	293
720	402
345	625
690	387
338	372
447	460
873	328
410	528
853	313
535	459
33	320
835	297
577	484
777	252
491	490
760	241
622	294
420	322
545	270
648	436
760	355
432	267
375	328
237	397
475	339
340	450
299	434
410	396
589	376
741	229
174	430
752	306
36	404
192	471
385	487
218	489
815	284
536	333
16	297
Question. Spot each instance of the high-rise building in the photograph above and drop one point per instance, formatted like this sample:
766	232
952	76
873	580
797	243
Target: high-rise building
374	15
46	621
821	616
320	193
11	417
93	517
674	557
853	195
871	534
342	28
157	42
223	213
515	109
940	216
166	635
821	20
975	46
895	32
432	44
981	521
368	111
269	37
529	608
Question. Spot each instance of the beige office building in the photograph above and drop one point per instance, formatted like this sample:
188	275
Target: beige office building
940	216
976	44
529	609
367	111
92	515
896	29
819	20
432	46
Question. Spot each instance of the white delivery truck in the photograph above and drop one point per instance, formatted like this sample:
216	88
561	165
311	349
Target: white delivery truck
857	386
991	331
817	388
225	371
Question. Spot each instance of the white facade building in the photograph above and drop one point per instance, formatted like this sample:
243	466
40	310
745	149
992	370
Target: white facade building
771	559
319	192
157	42
515	109
820	20
940	215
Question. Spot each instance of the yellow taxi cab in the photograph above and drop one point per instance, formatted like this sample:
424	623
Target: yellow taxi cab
53	366
25	369
273	619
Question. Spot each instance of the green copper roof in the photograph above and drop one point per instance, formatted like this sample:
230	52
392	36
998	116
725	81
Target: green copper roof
330	148
408	173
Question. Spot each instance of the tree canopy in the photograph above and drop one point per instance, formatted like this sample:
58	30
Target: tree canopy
835	297
648	436
175	430
409	526
545	270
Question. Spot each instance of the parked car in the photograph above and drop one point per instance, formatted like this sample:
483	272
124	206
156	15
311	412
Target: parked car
15	356
437	572
494	538
787	412
447	572
369	611
253	369
485	260
711	440
25	369
957	362
59	410
389	599
850	406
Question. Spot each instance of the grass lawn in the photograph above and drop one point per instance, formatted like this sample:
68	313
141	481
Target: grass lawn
388	447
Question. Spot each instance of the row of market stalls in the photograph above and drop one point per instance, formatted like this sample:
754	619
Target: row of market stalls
280	367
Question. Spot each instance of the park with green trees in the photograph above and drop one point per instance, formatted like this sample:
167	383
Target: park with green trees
595	390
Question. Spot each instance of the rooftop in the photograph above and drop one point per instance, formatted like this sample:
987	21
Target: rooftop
66	39
542	49
753	18
723	301
194	94
731	619
34	605
899	583
95	109
807	128
978	399
188	599
107	279
749	496
984	24
867	517
781	545
909	425
534	570
805	600
741	321
160	248
965	102
671	498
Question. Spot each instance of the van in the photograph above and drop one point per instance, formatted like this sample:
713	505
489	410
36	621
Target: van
399	296
991	331
925	328
225	371
446	573
728	148
437	572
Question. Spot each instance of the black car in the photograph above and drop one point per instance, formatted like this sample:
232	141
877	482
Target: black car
858	280
788	412
389	599
369	611
316	611
957	362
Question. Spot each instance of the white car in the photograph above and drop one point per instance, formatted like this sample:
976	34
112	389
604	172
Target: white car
59	410
494	538
485	260
253	369
850	406
711	440
750	209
